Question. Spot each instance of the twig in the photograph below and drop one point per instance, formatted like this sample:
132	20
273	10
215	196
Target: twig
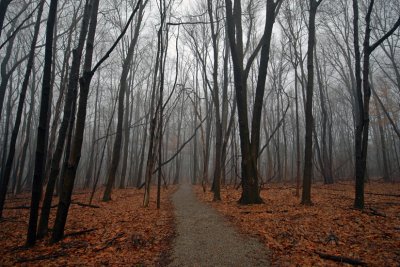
22	207
373	211
85	205
81	232
109	242
341	259
385	195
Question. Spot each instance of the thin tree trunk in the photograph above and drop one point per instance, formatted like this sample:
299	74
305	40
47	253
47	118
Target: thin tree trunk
97	177
43	129
153	122
308	144
363	98
27	136
73	158
66	125
89	171
63	85
123	87
24	88
3	9
5	75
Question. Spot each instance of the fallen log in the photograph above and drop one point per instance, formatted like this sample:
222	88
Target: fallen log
341	259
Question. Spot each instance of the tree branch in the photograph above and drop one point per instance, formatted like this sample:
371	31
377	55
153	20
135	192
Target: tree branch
118	39
387	35
181	148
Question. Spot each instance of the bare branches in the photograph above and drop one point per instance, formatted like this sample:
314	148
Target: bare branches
387	35
181	147
117	40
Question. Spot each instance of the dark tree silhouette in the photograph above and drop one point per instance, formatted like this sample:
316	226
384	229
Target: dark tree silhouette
43	129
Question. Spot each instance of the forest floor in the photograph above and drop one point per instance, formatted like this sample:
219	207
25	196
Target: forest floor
118	233
300	235
205	238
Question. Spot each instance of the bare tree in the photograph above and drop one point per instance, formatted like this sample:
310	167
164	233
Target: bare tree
249	142
363	96
122	91
8	167
66	123
308	146
41	144
73	159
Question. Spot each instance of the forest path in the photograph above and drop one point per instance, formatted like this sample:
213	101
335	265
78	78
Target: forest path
204	238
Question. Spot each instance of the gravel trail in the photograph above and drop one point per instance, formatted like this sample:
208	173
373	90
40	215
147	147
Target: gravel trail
205	238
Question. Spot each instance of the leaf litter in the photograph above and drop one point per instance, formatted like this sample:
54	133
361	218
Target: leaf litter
118	233
300	235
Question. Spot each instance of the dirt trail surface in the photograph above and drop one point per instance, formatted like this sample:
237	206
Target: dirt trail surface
204	238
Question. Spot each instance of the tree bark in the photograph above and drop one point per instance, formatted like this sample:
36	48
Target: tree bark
69	112
308	145
249	147
43	129
73	158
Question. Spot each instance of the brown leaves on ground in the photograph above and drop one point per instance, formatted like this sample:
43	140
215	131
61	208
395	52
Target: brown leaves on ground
119	233
295	233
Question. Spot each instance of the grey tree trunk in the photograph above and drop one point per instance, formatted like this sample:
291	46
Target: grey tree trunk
24	88
123	87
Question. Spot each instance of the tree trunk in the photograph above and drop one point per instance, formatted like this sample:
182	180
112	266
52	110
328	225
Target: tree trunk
24	88
63	85
89	171
107	135
5	146
215	97
363	98
27	136
69	112
126	137
43	129
249	147
3	9
308	145
73	158
386	173
5	75
123	87
326	167
153	122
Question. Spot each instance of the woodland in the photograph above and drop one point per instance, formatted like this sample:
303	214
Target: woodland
284	115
